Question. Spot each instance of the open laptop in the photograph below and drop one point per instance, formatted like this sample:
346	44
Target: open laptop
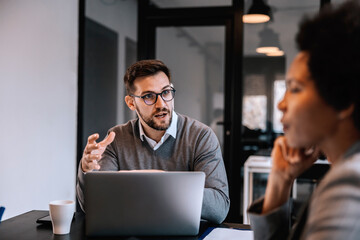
143	203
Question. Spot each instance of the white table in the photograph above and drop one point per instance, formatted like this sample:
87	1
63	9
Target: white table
254	164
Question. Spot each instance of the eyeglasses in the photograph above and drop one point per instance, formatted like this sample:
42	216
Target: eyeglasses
151	98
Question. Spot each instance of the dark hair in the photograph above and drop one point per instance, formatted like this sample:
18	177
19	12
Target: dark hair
332	40
141	69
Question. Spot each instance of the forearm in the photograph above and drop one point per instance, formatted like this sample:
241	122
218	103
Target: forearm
277	192
80	187
215	205
216	200
106	163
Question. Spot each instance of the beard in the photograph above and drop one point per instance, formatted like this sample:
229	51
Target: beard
150	121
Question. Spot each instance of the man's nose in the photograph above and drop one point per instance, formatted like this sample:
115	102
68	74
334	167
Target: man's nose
159	101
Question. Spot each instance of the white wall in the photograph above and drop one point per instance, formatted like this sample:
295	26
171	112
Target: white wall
38	103
121	17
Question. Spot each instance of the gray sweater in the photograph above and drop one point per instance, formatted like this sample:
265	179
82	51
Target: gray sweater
196	148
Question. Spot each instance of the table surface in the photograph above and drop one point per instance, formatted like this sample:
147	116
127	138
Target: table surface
24	227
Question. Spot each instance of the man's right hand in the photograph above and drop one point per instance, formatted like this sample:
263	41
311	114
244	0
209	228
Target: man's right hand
93	151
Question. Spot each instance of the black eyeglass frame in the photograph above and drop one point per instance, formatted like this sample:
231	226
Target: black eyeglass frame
156	96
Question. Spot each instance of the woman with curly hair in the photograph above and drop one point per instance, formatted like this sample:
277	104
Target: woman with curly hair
321	112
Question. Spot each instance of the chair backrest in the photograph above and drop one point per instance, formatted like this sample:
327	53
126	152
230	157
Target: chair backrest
2	209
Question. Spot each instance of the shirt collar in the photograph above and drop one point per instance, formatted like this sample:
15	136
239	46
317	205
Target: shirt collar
170	131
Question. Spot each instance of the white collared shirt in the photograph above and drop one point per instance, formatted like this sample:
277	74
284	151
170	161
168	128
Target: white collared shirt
170	131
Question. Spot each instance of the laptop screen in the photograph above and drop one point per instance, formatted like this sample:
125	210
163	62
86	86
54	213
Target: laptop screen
143	203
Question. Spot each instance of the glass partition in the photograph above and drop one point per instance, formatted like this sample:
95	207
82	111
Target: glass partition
264	74
264	81
196	58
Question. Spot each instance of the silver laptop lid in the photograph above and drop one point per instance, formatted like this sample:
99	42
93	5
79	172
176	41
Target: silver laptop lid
143	203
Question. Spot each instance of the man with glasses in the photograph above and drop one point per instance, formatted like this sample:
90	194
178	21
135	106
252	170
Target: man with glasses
159	139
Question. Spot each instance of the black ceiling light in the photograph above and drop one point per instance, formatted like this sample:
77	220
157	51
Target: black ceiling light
269	42
259	12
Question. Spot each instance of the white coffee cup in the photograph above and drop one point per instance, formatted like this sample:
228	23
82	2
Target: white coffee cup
61	213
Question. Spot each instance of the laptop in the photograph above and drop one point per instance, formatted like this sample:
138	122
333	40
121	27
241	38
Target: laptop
143	203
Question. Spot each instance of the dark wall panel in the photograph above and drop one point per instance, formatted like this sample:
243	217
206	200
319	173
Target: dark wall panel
100	79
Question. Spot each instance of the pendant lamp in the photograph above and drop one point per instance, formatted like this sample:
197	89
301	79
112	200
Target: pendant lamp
259	12
269	41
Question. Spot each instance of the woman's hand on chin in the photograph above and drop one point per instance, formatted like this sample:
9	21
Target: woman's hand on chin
290	162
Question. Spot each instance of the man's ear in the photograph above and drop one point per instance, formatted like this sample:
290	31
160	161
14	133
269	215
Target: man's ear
347	112
130	102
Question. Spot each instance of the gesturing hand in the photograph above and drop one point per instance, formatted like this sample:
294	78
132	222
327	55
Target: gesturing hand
93	151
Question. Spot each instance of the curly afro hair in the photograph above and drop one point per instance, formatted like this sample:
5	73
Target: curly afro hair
332	39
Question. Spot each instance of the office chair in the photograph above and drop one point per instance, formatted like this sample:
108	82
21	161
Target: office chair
2	209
